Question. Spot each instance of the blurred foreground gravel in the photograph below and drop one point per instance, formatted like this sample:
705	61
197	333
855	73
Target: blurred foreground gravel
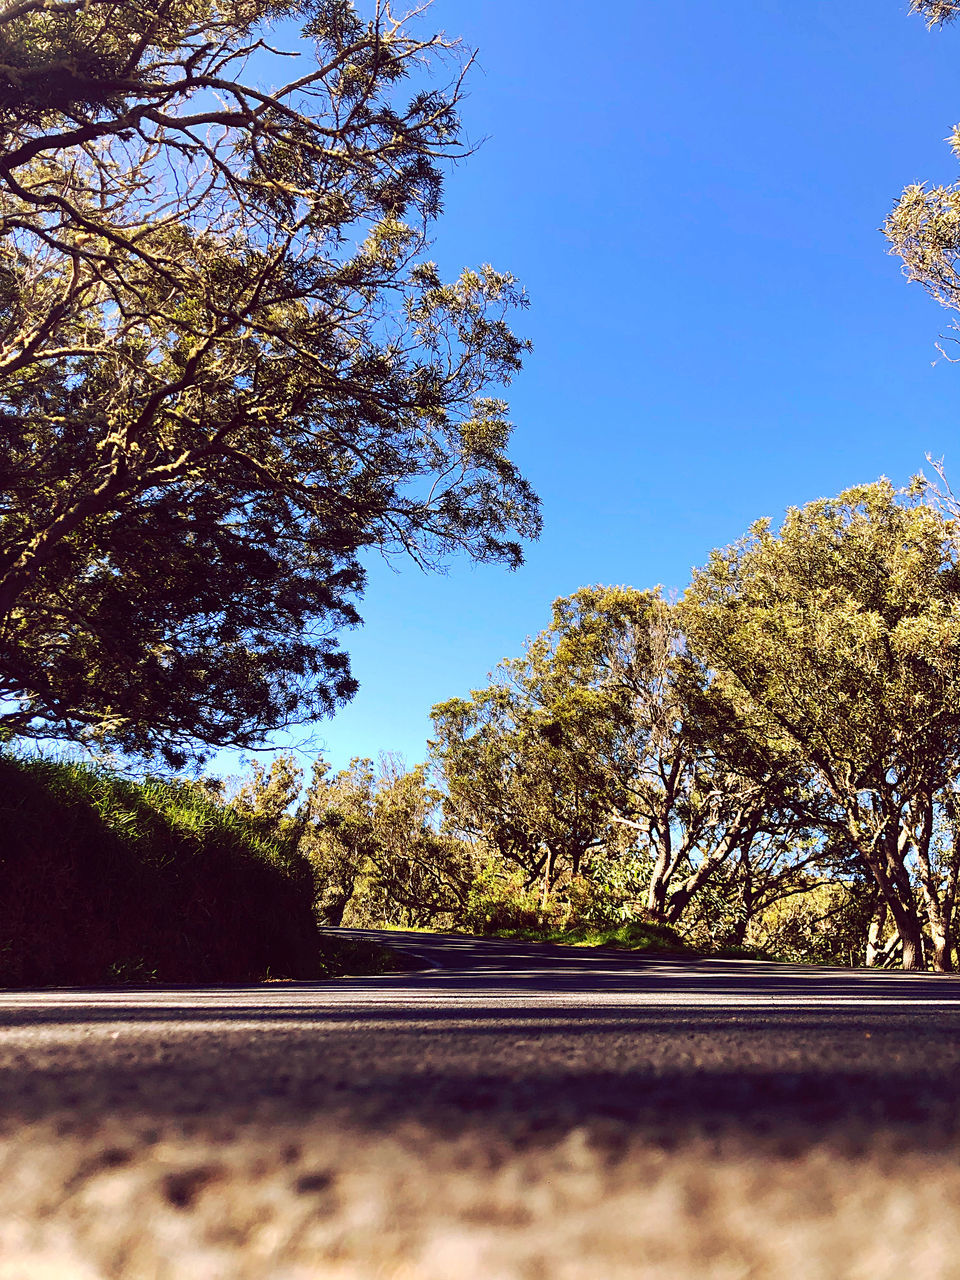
521	1111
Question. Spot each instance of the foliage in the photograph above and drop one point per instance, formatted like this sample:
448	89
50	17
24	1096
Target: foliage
827	923
608	726
936	12
266	798
636	935
373	841
841	635
728	911
107	879
338	837
424	871
512	783
343	957
923	227
226	365
771	766
501	903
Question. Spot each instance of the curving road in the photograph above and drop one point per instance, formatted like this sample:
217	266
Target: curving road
506	1110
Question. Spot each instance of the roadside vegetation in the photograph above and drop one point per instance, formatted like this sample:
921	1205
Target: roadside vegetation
769	765
216	394
108	880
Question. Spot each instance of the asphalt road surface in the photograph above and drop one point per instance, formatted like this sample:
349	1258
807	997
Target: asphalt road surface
509	1111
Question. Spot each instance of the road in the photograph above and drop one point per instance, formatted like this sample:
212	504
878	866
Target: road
507	1111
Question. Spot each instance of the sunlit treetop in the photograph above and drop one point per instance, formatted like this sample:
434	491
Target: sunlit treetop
936	12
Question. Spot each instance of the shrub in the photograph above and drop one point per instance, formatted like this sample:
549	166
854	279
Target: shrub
107	879
501	903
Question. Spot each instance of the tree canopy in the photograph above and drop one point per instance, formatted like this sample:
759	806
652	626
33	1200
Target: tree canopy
227	365
842	633
923	228
772	762
606	743
936	12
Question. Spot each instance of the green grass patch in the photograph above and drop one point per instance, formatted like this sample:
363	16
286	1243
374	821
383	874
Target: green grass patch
633	936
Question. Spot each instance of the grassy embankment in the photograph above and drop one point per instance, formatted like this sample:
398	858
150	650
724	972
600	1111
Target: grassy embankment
633	936
107	880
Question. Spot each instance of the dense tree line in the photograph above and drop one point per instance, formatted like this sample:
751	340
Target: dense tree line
773	759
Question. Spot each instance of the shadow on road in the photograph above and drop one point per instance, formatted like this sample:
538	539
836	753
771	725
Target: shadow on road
522	1044
783	1082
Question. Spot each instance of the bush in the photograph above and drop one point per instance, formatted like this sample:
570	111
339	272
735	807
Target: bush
501	904
825	925
108	880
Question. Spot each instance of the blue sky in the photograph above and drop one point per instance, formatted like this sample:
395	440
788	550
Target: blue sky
690	194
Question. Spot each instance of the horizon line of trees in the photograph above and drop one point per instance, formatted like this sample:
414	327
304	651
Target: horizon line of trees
772	759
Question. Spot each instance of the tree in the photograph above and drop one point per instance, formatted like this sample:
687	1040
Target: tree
338	836
267	799
226	365
607	724
374	840
668	751
840	634
936	12
923	228
419	867
515	779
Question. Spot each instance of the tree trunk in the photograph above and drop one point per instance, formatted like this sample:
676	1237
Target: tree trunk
657	888
888	869
548	870
937	897
657	901
332	911
875	947
942	953
737	935
940	933
912	940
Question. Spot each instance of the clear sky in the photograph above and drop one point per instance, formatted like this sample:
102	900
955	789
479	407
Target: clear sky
691	195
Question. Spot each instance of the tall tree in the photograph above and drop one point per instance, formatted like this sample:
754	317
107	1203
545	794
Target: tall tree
841	633
668	753
226	362
420	868
606	722
338	833
513	783
374	840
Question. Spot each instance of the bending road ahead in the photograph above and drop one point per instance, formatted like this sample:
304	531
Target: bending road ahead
507	1111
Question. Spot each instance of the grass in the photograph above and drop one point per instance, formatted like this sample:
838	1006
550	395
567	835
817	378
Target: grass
632	936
